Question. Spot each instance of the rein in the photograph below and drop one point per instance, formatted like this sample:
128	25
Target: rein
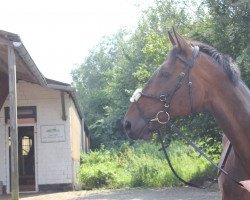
172	127
166	99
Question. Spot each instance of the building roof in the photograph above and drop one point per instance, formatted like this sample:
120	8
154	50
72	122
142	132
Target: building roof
26	68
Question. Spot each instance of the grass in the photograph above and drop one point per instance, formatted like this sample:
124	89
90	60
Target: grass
141	165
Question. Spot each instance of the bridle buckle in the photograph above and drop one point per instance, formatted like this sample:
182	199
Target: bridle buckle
163	98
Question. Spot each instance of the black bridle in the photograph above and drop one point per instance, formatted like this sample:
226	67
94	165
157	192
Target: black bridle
166	99
168	96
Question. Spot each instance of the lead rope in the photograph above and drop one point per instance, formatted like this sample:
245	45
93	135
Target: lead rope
183	136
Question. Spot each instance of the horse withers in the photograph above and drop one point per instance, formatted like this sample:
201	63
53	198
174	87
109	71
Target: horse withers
196	78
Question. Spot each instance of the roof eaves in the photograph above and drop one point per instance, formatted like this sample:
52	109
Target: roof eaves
71	92
24	54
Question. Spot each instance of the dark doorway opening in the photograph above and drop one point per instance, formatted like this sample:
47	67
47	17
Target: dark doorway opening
26	158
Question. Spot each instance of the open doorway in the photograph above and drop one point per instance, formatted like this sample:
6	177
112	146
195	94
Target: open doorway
26	158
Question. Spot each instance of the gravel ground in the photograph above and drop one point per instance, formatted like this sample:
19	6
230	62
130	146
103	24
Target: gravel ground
179	193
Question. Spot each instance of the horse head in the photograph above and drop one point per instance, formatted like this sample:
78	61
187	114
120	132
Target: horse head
177	88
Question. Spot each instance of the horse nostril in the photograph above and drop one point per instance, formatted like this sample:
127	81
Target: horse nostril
127	125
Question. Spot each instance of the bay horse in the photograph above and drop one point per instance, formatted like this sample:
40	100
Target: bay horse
196	78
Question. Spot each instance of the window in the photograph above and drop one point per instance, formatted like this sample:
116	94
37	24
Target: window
25	114
26	145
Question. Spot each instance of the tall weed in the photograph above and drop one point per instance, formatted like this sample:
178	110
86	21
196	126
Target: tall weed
141	165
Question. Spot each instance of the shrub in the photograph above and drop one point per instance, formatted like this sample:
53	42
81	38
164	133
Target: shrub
141	165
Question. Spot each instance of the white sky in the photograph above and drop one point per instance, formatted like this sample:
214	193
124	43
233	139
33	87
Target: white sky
59	33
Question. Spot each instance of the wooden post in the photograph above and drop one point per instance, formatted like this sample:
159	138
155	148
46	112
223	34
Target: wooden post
63	106
13	124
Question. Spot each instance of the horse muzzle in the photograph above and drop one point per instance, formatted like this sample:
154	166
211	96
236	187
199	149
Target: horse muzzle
137	131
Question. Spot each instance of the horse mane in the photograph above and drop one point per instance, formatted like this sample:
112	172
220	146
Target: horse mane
229	66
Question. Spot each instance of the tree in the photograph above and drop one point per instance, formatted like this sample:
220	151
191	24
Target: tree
124	61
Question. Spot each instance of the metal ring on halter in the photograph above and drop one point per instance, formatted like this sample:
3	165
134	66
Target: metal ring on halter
163	97
156	119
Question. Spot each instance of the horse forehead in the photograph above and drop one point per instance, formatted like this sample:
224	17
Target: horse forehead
153	76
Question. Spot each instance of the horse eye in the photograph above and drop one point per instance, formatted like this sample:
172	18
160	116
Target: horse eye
165	74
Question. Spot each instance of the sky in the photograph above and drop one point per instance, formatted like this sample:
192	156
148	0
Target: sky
58	34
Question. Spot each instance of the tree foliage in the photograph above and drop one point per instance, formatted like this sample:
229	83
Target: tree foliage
124	61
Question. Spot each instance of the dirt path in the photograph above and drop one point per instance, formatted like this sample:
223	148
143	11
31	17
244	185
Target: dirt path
180	193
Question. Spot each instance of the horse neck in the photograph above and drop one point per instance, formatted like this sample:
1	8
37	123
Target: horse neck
231	108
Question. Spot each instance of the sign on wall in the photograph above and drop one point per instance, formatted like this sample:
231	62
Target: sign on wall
52	133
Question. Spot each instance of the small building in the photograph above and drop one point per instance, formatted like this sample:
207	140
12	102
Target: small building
51	128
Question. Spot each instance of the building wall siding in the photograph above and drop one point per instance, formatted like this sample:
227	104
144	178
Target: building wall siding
75	132
53	159
76	141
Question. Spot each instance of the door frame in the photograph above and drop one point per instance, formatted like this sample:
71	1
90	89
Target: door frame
8	160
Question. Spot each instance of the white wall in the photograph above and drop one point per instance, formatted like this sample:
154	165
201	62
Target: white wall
76	140
53	159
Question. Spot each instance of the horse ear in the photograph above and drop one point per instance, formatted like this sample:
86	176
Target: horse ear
171	38
181	42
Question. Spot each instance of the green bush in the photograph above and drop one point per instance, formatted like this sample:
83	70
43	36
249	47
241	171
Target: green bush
141	165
